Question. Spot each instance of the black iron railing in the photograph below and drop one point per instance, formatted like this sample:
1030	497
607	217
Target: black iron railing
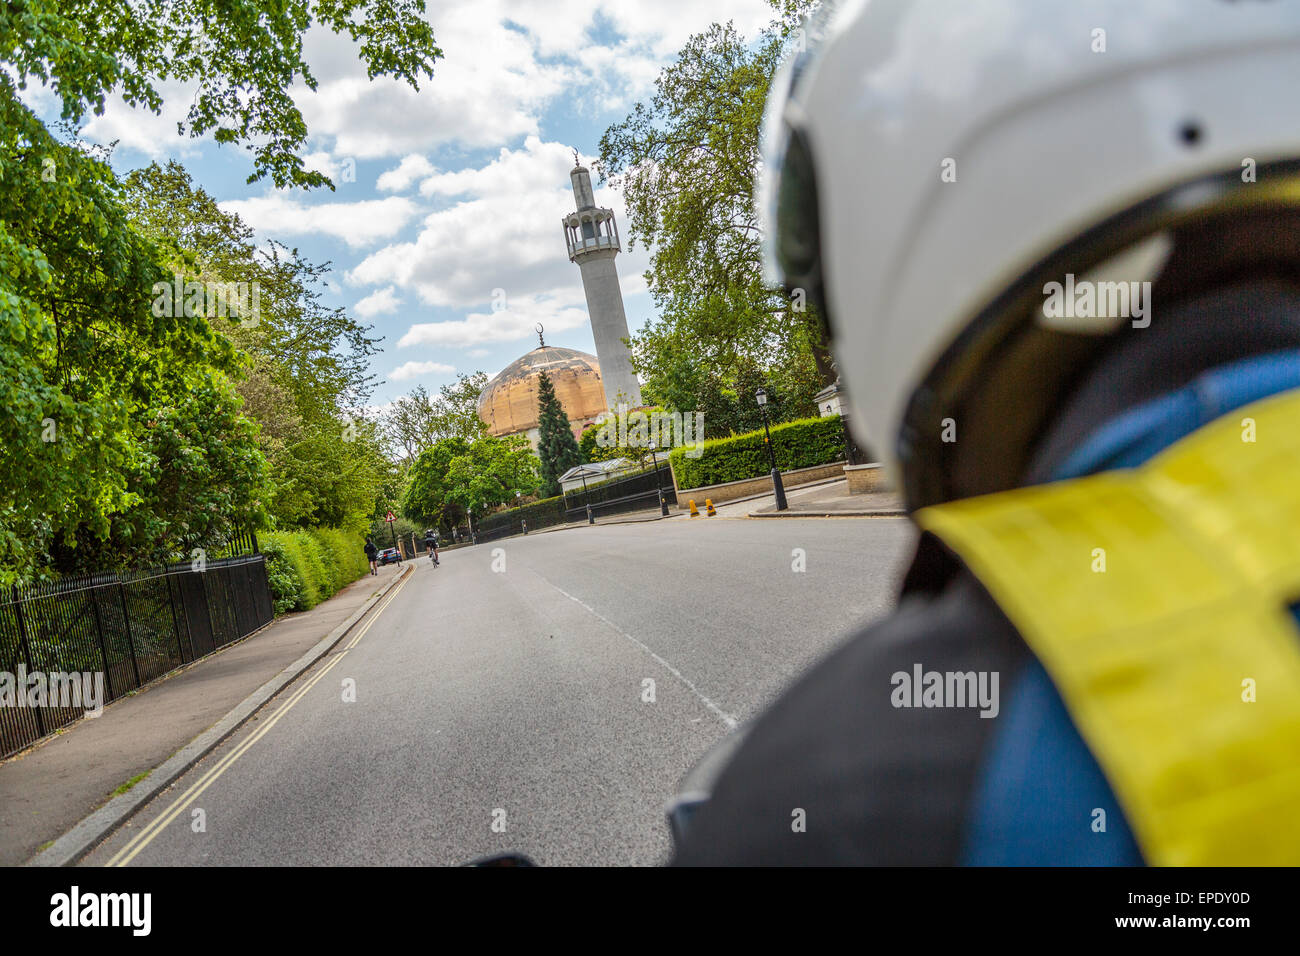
637	493
131	628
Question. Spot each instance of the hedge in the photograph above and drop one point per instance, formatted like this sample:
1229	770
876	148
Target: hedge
305	567
799	444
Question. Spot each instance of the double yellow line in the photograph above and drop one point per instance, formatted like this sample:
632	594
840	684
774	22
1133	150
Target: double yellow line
160	822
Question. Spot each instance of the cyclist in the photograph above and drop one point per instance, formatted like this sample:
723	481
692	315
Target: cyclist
431	544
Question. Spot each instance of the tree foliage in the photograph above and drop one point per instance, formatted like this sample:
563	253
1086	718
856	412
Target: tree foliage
556	446
243	57
124	437
491	471
306	373
453	475
591	450
416	421
727	401
97	387
686	162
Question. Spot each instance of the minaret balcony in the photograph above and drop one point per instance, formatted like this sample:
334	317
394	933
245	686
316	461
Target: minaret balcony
579	246
590	230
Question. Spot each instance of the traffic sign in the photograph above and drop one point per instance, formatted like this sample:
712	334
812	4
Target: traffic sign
391	518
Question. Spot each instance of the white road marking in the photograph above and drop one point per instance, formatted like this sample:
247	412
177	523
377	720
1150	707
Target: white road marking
728	721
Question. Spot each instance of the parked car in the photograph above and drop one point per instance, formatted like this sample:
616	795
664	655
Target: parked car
389	556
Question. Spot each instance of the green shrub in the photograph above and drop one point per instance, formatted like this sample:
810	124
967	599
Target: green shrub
318	578
285	579
331	573
307	566
295	562
799	444
346	553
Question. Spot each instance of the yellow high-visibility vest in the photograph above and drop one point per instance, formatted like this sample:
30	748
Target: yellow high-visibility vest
1158	600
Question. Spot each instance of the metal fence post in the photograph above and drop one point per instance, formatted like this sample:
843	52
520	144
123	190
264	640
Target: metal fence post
207	606
130	641
27	655
176	624
103	648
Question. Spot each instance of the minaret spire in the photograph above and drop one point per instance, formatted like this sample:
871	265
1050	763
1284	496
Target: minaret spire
591	236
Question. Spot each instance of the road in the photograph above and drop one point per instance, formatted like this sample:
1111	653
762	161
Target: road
503	700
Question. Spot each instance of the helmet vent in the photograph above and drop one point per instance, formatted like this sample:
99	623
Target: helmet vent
1190	133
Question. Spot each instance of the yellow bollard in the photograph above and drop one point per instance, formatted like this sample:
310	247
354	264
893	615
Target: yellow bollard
708	507
695	512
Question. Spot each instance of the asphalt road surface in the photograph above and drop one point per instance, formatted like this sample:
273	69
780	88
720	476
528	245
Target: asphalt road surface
503	701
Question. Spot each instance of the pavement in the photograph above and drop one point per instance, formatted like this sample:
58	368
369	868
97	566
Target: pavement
830	499
541	694
822	499
48	788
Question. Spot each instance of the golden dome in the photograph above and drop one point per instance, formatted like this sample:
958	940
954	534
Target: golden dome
508	404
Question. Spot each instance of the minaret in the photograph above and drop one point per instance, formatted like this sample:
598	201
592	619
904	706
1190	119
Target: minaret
592	239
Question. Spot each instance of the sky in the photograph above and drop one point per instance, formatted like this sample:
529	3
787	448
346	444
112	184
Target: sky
448	238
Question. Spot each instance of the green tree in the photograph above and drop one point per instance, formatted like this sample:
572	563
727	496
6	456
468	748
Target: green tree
306	376
685	162
425	499
411	424
490	472
96	383
87	369
591	449
416	421
458	406
556	446
453	475
243	57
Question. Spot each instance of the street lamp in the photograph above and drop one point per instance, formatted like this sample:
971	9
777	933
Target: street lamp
522	526
777	488
473	538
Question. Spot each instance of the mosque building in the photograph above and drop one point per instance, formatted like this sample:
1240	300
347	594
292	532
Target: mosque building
586	385
508	405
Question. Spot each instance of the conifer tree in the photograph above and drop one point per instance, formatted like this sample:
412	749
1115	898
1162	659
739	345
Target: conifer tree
556	446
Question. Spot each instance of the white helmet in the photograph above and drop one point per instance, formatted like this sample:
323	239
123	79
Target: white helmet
930	166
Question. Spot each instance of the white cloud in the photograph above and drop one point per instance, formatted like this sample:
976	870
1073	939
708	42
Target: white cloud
537	167
139	129
505	62
410	169
381	302
322	162
556	312
416	369
489	88
358	224
503	233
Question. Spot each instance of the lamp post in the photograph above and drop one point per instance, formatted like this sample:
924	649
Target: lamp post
523	528
659	486
777	488
473	538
